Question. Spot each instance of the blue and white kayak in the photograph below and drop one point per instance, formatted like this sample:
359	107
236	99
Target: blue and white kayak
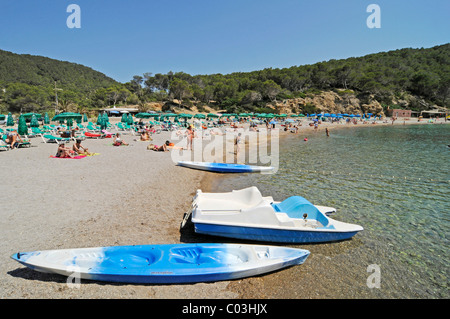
176	263
246	214
225	167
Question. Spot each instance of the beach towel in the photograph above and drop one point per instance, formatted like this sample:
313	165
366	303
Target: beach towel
75	157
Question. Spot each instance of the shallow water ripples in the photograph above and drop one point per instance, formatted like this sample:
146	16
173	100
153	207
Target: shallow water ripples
394	181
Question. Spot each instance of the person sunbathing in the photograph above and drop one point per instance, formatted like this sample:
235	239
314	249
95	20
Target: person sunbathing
79	149
13	139
145	136
162	148
63	151
118	141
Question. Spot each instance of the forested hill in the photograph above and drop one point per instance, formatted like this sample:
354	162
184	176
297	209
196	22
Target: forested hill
406	78
42	71
413	78
27	83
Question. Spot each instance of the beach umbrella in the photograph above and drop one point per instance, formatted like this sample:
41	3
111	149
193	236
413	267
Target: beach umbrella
185	116
22	128
46	118
99	119
130	119
212	115
85	119
34	122
10	120
66	115
124	118
301	115
69	122
104	121
30	115
143	115
106	118
200	116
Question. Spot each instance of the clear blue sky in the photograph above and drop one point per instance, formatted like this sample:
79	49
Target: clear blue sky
122	38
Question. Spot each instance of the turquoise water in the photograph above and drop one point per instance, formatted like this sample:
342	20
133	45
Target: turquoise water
392	180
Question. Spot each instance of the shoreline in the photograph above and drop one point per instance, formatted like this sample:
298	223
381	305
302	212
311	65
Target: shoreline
266	287
124	196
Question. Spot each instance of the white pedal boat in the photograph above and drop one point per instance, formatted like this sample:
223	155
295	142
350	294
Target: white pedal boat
246	214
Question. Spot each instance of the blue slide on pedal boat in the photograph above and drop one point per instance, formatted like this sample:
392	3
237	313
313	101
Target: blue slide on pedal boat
175	263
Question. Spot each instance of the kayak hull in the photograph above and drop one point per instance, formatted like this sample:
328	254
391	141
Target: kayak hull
164	264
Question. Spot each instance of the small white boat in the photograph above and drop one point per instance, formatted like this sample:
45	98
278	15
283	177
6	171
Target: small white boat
175	263
246	214
225	167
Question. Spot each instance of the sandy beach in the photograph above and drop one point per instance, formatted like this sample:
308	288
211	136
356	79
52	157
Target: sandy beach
125	195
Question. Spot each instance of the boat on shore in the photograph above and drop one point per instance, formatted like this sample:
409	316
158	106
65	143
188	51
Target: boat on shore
246	214
225	167
164	264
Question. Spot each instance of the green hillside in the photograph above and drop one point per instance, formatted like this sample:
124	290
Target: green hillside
420	77
414	78
28	82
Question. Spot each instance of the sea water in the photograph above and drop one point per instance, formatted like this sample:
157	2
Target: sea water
392	180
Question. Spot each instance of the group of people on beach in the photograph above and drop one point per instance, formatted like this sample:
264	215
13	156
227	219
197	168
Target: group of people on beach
77	149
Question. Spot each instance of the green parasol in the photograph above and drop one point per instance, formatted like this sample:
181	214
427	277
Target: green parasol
66	115
10	120
34	122
130	119
105	121
85	118
185	116
30	115
144	115
46	118
22	128
99	119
